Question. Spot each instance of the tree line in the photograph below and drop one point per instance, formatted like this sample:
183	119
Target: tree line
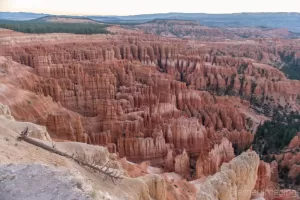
44	27
273	136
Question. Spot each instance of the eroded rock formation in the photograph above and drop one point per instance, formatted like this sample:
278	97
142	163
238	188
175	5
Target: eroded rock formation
182	164
263	176
180	105
210	163
235	180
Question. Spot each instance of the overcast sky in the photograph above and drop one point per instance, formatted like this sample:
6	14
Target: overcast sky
132	7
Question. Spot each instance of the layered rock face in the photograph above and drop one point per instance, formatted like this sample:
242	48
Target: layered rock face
235	180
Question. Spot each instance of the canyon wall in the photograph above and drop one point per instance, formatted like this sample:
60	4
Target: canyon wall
144	97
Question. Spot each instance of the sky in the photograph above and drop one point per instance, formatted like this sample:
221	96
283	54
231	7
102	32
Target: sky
133	7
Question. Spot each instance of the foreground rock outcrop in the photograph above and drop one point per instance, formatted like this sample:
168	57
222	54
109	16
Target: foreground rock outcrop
236	179
30	182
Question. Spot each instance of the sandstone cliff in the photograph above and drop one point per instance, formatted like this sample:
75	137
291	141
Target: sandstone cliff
235	180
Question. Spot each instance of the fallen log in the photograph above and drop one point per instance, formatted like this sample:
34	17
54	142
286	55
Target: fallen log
110	172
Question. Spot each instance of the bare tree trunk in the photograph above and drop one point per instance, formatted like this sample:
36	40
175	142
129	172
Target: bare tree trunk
114	174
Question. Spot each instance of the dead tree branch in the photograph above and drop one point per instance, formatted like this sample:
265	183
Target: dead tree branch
114	174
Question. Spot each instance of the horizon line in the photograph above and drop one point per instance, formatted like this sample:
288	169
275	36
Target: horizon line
56	14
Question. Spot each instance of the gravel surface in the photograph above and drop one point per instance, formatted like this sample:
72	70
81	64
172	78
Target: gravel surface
41	182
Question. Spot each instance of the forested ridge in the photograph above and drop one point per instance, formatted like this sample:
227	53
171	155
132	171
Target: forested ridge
45	27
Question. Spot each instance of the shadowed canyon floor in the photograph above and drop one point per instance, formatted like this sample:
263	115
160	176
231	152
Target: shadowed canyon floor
174	115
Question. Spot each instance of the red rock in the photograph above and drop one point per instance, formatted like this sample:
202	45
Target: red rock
295	142
263	177
210	163
139	94
169	161
182	164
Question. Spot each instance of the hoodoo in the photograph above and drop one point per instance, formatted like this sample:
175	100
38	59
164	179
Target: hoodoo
165	109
